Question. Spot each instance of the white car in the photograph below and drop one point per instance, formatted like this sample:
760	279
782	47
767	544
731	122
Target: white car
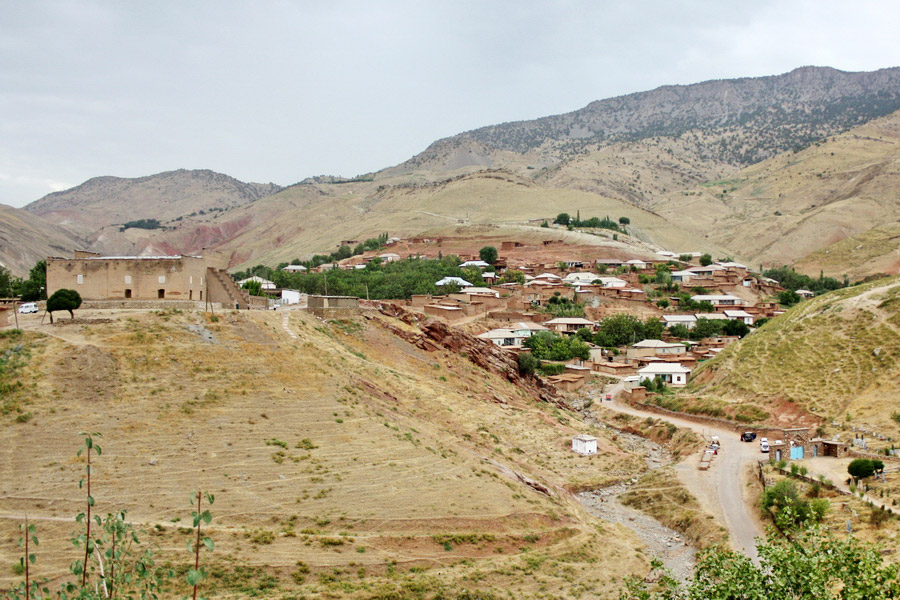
28	307
764	445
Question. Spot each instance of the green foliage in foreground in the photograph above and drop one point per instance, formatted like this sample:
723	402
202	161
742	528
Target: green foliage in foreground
807	564
550	346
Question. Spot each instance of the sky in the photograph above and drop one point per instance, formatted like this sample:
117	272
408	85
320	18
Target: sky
276	91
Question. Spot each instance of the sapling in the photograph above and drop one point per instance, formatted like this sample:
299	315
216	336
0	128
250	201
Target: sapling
90	446
196	575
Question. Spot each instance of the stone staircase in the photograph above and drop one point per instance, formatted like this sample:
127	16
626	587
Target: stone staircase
224	290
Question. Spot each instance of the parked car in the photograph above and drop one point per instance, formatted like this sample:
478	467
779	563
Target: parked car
764	445
28	307
748	436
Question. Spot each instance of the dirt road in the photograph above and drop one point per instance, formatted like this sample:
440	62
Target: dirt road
724	489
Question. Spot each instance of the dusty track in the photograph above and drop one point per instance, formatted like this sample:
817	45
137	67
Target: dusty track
724	489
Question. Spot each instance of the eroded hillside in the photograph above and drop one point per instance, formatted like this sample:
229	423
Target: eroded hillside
346	461
837	356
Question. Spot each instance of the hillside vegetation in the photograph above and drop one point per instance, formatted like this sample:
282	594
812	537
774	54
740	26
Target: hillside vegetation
836	356
346	461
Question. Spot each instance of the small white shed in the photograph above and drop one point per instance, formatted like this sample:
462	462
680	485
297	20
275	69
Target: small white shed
585	445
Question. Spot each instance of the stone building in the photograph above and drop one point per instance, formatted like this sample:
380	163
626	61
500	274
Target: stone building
179	277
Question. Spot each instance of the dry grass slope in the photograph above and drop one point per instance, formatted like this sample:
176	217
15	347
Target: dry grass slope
346	463
835	355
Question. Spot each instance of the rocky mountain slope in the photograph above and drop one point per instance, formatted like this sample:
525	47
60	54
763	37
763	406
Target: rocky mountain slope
166	197
745	120
26	239
836	356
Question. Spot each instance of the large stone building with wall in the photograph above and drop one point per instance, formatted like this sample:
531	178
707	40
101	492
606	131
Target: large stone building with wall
179	277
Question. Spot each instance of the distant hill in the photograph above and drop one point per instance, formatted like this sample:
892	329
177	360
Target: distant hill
743	120
166	197
833	206
26	239
835	355
671	152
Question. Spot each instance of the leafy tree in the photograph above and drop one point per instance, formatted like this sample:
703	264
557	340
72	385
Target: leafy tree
860	468
254	287
545	224
550	346
63	299
788	298
810	564
706	259
513	276
662	303
792	280
735	327
5	283
878	465
685	257
680	331
624	220
704	328
488	254
562	219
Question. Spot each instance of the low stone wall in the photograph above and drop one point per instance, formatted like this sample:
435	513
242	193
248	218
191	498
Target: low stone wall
145	304
724	423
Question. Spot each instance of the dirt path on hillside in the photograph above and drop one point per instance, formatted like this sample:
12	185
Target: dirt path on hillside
724	490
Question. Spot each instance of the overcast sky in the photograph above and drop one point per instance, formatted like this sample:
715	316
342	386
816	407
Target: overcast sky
278	91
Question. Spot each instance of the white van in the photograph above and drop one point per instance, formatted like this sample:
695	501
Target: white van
28	307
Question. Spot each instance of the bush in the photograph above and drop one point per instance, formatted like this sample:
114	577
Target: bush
528	363
706	259
551	368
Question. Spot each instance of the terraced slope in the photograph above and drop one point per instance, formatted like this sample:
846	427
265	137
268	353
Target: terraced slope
837	356
346	461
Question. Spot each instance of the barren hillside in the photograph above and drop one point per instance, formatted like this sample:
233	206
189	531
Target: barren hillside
373	464
796	204
104	201
26	239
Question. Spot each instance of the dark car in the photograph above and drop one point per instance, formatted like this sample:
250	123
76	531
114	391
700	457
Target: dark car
748	436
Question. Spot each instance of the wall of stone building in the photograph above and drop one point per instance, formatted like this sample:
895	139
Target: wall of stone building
333	302
182	278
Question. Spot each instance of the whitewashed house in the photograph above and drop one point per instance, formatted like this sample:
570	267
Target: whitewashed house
586	445
453	280
687	320
718	299
739	315
673	374
264	284
294	269
290	296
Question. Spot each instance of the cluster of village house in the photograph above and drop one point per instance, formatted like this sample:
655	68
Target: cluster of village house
202	278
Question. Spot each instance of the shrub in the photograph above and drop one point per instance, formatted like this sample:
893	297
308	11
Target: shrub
528	364
861	468
552	368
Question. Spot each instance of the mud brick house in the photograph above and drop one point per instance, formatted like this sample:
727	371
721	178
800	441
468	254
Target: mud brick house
179	277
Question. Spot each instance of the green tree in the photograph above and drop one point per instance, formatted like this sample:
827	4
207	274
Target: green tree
706	259
860	468
810	564
63	299
624	220
788	298
685	257
704	328
562	219
735	327
488	254
254	287
5	283
680	331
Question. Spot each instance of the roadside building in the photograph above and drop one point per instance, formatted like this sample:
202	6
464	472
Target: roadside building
673	374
